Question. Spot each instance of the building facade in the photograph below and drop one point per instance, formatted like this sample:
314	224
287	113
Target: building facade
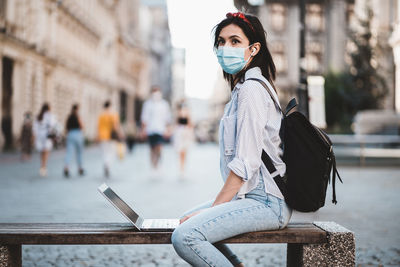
157	37
327	27
395	43
66	51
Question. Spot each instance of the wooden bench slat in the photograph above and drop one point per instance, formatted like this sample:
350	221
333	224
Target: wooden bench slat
124	233
6	227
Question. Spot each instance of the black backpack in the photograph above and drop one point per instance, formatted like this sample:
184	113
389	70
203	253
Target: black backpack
309	159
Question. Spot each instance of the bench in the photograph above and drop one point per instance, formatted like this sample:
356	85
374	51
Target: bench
365	146
308	244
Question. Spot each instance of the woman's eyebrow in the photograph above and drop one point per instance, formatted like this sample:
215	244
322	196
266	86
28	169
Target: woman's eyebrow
235	36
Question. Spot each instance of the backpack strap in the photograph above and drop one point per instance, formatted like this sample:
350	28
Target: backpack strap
334	173
292	103
268	162
271	168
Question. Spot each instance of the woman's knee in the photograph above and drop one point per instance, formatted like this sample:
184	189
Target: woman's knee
178	239
184	237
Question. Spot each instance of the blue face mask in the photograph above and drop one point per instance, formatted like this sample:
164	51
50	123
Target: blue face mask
232	59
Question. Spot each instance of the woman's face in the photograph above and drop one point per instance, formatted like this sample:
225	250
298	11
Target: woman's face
233	36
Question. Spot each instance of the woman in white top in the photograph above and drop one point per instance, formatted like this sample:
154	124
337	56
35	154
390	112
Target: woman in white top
44	130
183	135
250	200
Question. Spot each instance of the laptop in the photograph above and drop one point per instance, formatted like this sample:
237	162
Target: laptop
137	221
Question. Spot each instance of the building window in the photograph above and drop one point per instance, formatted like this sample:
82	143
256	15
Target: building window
278	17
351	18
314	58
315	18
123	101
279	57
64	98
138	104
3	8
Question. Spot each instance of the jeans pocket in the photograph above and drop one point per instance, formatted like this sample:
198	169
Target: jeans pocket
229	134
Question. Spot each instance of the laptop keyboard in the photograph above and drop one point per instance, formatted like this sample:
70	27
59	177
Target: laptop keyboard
160	223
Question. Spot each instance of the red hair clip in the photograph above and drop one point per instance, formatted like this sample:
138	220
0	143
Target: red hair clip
239	15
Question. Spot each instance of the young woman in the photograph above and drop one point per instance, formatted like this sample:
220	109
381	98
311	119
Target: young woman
74	140
250	200
183	135
108	130
44	128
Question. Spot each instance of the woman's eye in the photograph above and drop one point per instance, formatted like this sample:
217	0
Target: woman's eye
221	42
234	41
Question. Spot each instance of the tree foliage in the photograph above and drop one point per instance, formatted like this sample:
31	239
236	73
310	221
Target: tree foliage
361	87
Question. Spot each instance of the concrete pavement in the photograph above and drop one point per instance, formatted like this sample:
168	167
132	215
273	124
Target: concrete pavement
367	204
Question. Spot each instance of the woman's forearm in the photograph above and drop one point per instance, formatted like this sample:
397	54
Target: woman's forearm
229	190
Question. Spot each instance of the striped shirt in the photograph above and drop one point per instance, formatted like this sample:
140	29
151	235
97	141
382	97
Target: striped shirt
250	124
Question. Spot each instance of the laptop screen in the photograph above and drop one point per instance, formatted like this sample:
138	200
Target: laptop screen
120	204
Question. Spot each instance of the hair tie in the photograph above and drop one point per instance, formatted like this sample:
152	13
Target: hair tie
241	16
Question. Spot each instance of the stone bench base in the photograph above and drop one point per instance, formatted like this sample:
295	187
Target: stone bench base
338	251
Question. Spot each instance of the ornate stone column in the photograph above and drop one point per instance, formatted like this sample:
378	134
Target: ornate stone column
336	34
395	43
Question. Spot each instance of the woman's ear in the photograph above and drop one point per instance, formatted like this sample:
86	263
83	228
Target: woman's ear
255	49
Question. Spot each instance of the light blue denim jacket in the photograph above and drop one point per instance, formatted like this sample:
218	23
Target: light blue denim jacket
250	124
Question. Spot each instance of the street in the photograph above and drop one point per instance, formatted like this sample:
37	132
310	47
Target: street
367	204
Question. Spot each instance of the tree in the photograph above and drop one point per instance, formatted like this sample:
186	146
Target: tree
361	87
338	101
369	86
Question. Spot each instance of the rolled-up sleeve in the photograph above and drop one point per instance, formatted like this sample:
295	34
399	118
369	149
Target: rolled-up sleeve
251	121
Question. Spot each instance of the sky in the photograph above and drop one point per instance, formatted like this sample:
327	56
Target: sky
191	23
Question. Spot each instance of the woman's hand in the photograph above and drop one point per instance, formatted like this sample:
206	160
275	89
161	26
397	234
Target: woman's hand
190	216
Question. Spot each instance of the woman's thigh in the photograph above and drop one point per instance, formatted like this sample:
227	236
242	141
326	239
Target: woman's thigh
204	205
230	219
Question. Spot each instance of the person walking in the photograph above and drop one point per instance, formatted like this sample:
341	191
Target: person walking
74	140
249	200
183	135
26	137
108	130
44	129
156	119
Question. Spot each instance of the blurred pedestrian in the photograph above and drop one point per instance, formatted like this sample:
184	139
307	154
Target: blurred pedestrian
108	131
130	135
44	129
250	199
74	140
183	135
26	137
156	119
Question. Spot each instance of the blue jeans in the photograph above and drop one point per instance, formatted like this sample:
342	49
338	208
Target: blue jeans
196	240
74	143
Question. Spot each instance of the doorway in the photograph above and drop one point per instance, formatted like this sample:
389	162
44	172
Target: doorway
6	102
